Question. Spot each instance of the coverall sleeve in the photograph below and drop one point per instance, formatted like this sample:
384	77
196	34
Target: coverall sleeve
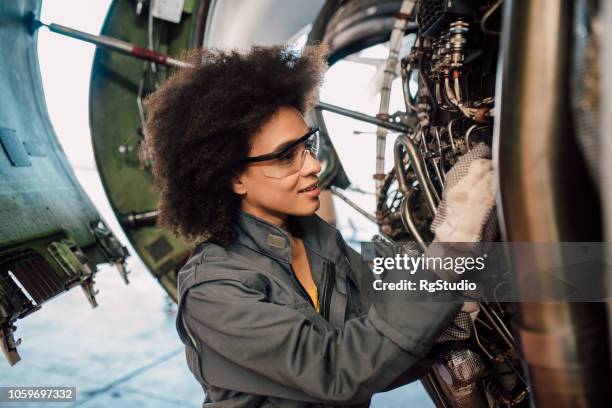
283	346
411	373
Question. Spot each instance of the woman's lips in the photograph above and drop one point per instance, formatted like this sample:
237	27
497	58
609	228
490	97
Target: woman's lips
315	192
310	187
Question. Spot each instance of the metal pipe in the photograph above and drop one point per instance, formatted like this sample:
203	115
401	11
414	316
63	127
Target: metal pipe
444	100
418	164
424	131
363	117
457	88
545	197
448	90
409	222
450	94
468	134
450	135
497	323
436	166
400	171
472	129
440	168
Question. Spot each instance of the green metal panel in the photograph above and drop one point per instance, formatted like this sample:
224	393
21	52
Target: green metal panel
117	129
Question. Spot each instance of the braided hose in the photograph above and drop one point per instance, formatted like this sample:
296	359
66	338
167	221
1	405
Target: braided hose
395	43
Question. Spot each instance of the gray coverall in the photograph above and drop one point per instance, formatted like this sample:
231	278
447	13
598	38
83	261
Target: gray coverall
254	339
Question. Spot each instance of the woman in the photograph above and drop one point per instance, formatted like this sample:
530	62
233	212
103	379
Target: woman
270	307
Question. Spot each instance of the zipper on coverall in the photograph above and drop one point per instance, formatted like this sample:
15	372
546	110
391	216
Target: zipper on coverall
327	289
301	287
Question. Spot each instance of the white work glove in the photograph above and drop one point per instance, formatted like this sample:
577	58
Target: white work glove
468	204
466	214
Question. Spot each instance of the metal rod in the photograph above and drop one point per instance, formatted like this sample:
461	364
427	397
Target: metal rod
135	220
363	117
496	324
347	200
114	44
360	210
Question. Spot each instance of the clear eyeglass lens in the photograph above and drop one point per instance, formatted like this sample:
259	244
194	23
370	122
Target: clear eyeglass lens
293	161
312	144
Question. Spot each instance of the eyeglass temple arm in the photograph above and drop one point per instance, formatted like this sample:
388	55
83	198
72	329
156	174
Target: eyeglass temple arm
273	155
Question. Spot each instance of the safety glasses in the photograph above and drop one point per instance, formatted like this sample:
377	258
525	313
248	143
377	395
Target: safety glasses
290	159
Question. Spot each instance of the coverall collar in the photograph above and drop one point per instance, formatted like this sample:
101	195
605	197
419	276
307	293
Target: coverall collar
271	240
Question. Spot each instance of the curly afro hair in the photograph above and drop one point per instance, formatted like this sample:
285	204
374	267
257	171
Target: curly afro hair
200	123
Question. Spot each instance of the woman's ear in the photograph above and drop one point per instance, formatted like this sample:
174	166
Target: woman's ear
238	185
